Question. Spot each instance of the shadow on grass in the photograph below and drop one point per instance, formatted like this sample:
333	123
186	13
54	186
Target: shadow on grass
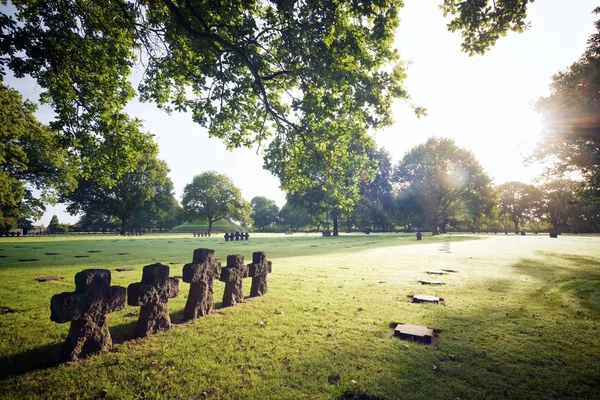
47	356
576	277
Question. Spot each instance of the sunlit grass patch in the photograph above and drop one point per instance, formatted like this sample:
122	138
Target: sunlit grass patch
518	321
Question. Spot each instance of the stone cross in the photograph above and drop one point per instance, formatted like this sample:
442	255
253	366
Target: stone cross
226	236
232	275
237	235
258	270
87	310
200	275
153	294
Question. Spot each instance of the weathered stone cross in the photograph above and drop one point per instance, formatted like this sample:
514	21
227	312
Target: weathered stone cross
233	275
258	270
87	309
153	294
200	275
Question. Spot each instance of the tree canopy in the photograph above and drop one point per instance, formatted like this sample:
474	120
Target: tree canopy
146	188
247	71
31	158
213	196
440	179
518	201
264	212
571	117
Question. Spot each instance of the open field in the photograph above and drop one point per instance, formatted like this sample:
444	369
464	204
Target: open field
520	320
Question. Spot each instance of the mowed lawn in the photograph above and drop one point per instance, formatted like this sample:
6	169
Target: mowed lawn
520	319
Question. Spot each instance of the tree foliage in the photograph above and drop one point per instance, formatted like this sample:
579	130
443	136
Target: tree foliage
213	196
440	179
146	188
245	70
571	117
518	202
482	23
31	159
264	212
559	202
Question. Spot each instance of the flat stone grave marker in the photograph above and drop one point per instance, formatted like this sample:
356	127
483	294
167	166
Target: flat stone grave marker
124	269
48	278
27	259
4	310
52	254
122	254
435	272
414	332
153	294
38	247
87	309
200	274
93	251
81	256
3	256
450	270
425	298
432	283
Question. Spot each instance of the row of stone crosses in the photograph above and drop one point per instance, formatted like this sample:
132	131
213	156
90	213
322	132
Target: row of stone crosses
236	235
87	308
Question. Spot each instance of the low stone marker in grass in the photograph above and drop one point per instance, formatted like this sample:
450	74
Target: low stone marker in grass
233	275
432	283
258	270
87	310
124	269
153	294
435	272
48	278
200	274
419	236
414	332
554	235
425	298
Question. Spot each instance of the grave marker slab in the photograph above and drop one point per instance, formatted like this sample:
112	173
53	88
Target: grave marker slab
124	269
450	270
425	298
435	272
233	275
432	283
258	270
414	332
48	278
87	308
153	294
200	274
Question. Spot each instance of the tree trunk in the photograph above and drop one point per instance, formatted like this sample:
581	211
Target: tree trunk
516	226
335	222
122	226
210	222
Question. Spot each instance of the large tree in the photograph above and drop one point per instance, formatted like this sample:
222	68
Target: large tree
325	180
264	212
33	162
559	203
518	201
213	196
441	178
246	70
571	117
124	195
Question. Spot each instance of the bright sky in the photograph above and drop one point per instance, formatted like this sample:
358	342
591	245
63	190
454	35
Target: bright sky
482	102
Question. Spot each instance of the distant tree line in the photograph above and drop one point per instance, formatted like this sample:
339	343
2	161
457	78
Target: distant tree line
437	187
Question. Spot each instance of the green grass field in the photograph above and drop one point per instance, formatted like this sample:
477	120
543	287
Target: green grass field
520	320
